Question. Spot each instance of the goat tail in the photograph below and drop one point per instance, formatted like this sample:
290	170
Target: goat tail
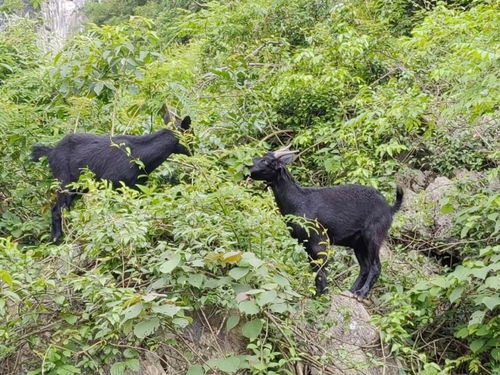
399	200
39	151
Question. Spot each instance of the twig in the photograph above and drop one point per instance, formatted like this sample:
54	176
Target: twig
270	65
141	349
258	49
273	134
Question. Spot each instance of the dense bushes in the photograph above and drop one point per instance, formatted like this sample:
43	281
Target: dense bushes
365	89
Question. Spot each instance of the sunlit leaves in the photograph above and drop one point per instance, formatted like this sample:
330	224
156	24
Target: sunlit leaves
232	321
195	370
252	328
146	327
170	265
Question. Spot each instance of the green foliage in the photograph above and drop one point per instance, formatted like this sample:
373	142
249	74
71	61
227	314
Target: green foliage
11	6
465	300
18	47
114	55
116	11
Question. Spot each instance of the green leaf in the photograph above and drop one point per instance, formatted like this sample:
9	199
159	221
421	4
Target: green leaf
281	281
495	354
117	368
166	309
129	353
480	273
279	307
195	370
493	282
133	364
252	328
232	322
70	318
170	265
252	260
59	299
441	282
146	327
464	231
229	364
491	302
67	370
456	293
6	277
248	307
476	345
196	279
181	322
477	317
238	272
266	297
447	208
132	311
98	88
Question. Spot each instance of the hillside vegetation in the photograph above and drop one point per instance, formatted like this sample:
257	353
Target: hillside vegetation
371	92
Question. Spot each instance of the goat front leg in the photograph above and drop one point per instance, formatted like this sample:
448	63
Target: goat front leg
317	250
64	199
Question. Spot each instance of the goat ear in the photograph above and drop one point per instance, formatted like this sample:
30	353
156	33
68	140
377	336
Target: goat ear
186	123
288	158
166	114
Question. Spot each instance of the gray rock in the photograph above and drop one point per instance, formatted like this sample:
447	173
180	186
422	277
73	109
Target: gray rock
422	216
436	191
351	344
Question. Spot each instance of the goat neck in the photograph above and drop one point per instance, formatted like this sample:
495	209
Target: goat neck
288	194
154	149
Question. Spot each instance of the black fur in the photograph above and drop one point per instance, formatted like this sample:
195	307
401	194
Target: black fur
349	215
111	158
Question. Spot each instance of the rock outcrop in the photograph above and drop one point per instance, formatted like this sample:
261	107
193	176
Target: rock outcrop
342	343
61	20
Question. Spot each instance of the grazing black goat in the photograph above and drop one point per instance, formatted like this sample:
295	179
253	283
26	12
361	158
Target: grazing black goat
347	215
120	159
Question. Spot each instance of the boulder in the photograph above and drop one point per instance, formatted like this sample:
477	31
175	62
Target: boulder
341	343
435	193
422	211
350	345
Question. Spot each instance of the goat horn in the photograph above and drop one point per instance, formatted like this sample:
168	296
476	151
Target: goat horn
284	151
286	148
174	114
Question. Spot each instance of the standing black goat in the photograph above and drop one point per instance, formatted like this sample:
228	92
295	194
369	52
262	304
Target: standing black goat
120	159
348	215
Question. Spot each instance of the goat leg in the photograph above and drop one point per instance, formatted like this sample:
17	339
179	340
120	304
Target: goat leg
64	199
361	256
373	275
319	259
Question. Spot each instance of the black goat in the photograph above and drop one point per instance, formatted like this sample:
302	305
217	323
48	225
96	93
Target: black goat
120	159
348	215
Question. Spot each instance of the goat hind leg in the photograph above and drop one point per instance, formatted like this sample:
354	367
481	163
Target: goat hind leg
374	269
64	199
361	256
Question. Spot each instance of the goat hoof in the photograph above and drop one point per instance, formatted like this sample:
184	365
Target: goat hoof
321	292
348	293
